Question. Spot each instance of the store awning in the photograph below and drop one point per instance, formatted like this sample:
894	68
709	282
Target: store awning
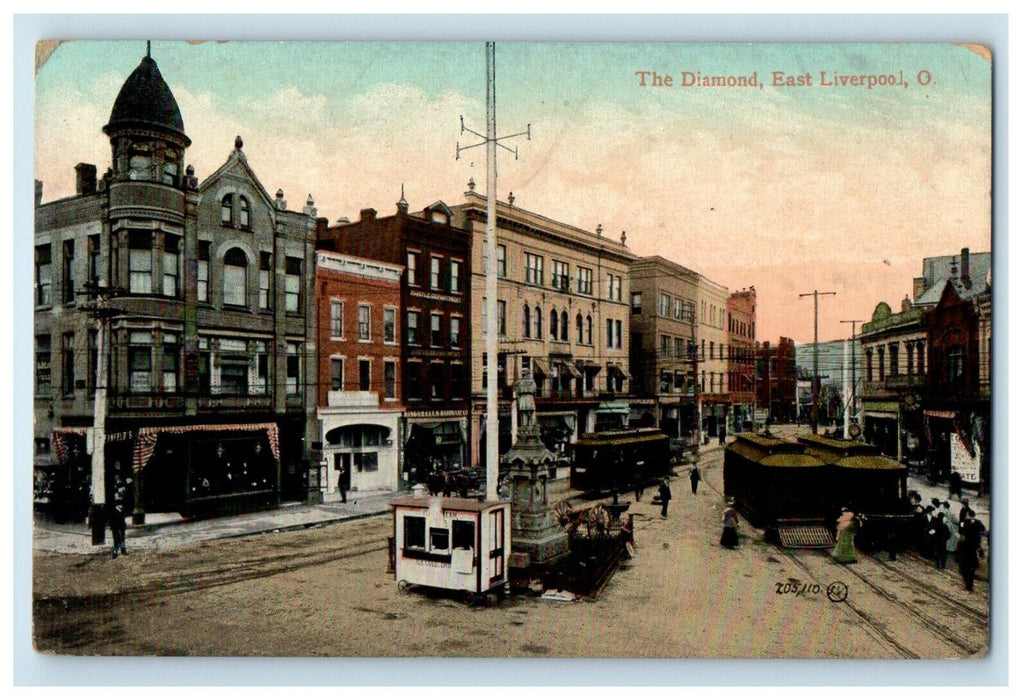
59	437
569	370
933	413
588	367
146	441
540	368
615	371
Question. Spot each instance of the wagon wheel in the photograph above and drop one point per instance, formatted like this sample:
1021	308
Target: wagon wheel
564	512
403	586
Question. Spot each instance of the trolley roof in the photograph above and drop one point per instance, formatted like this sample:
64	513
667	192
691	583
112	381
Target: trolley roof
620	437
772	452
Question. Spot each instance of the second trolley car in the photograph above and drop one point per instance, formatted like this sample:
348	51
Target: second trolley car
620	459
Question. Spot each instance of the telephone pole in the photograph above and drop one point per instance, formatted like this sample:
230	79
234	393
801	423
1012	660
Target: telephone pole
490	141
853	375
816	382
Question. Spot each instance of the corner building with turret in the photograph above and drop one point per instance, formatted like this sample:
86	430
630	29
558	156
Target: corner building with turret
196	293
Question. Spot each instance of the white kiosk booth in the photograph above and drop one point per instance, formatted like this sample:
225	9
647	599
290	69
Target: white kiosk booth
460	544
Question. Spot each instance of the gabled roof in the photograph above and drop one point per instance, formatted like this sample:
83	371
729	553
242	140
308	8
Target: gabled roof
237	158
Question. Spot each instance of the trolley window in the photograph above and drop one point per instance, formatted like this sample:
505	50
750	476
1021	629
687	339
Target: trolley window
414	532
439	539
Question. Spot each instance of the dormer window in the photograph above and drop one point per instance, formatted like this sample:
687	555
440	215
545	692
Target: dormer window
139	166
227	210
244	213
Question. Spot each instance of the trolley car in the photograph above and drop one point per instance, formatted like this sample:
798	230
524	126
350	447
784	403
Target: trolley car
620	459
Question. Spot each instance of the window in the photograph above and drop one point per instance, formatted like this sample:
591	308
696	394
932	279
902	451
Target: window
227	210
458	381
501	261
94	259
614	334
559	275
294	270
170	363
68	278
578	328
679	310
589	330
921	357
234	367
412	328
140	262
533	269
537	323
882	362
412	268
364	323
663	306
553	324
436	330
614	287
868	367
439	539
455	276
680	347
336	319
264	281
336	374
585	280
170	266
204	271
139	165
389	325
414	532
366	461
434	267
413	377
501	317
955	359
169	173
436	380
666	345
526	322
455	332
68	364
636	299
894	359
139	362
462	534
364	375
260	383
293	368
691	312
234	278
909	350
389	372
244	213
564	326
203	365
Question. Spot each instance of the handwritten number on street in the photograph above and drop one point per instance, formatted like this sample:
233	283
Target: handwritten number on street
835	591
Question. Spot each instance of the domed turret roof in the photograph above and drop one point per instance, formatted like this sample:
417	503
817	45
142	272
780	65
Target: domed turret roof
146	100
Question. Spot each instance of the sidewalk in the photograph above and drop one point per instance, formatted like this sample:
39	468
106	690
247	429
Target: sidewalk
166	530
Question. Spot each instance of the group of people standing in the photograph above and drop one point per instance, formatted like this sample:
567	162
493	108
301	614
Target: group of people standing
942	535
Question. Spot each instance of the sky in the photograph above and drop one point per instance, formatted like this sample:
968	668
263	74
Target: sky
791	188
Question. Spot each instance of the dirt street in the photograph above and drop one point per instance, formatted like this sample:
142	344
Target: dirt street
325	592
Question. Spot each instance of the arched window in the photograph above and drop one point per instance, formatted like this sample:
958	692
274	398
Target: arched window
564	326
234	278
553	324
244	213
526	322
578	328
537	323
227	210
589	330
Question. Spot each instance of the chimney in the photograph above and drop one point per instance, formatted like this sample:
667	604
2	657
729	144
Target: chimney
368	214
85	179
966	278
39	192
918	288
905	305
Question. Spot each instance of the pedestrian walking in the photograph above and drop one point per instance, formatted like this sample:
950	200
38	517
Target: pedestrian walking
844	551
963	513
664	493
955	483
639	491
694	479
116	518
730	519
951	521
342	485
970	548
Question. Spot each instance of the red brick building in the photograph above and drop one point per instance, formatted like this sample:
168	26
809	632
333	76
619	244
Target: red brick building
777	379
742	310
433	326
359	375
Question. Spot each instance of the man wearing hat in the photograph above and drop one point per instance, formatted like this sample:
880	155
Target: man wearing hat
970	548
963	514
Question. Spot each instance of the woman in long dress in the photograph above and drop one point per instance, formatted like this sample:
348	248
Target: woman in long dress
730	538
844	552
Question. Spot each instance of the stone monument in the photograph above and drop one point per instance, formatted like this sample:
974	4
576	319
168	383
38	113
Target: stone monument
535	530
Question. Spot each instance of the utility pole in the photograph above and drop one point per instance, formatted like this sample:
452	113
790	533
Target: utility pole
492	343
99	296
853	374
816	382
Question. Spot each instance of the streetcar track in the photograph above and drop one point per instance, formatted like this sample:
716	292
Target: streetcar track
939	595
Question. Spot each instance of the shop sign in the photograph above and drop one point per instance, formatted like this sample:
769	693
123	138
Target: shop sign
966	464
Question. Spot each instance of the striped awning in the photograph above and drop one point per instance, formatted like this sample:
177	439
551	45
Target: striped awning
147	439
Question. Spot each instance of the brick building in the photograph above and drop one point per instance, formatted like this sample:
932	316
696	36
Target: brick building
776	380
741	323
434	326
359	377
